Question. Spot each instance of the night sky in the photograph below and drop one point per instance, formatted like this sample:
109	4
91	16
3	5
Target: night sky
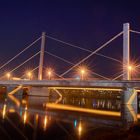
86	23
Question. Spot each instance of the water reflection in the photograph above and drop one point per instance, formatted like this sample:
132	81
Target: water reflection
4	111
25	115
45	122
108	104
129	114
65	116
80	128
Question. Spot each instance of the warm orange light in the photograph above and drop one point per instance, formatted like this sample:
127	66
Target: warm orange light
45	122
25	115
49	73
80	128
82	73
130	68
83	88
4	111
29	74
8	75
83	110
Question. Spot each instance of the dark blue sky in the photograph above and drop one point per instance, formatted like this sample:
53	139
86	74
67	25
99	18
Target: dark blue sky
87	23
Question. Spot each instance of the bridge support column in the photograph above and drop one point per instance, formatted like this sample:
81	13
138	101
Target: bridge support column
39	91
126	51
129	107
129	96
41	57
128	115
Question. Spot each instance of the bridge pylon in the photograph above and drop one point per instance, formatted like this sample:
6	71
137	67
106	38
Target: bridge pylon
126	51
40	71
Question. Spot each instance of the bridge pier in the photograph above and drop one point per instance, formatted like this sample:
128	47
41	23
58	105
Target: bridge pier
128	115
39	91
129	106
129	96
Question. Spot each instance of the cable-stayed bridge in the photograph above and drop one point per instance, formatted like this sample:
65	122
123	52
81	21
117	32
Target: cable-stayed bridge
121	82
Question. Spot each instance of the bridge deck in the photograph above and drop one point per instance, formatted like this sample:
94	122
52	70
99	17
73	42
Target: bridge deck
72	83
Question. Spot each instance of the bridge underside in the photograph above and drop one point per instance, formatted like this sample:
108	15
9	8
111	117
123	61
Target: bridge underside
128	88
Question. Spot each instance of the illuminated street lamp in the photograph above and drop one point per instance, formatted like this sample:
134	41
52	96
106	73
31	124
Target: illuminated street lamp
29	74
82	71
49	73
130	69
8	76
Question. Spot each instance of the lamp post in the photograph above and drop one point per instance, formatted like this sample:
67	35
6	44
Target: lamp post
82	74
29	74
49	75
8	76
130	69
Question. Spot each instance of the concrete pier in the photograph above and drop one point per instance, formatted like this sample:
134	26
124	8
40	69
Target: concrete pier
129	96
39	91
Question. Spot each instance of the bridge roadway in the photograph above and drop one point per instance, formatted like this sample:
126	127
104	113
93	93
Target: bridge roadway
73	83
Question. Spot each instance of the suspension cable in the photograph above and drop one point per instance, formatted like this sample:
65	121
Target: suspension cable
30	71
83	49
137	32
108	57
23	62
20	53
64	60
56	74
101	47
99	75
117	77
74	64
59	76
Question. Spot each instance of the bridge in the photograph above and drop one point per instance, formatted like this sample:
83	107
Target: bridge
126	84
75	84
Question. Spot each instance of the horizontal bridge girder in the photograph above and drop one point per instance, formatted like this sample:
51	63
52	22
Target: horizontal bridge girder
73	83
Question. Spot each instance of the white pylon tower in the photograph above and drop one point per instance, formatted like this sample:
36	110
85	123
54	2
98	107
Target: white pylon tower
126	51
40	72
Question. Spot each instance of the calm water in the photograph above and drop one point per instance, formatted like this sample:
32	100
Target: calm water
70	117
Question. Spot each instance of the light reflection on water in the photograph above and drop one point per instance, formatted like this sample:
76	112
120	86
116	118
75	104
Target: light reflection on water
31	112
